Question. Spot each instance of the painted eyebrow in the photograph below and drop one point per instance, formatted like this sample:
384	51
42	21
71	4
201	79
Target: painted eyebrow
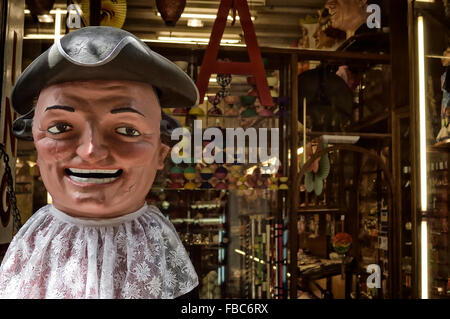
60	107
126	109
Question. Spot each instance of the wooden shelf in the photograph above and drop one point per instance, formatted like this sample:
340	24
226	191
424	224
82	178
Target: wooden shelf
303	54
443	146
370	121
318	210
227	116
184	189
360	134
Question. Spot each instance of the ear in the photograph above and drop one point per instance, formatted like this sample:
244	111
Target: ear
163	151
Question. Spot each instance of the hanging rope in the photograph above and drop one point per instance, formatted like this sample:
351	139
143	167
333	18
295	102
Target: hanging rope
233	7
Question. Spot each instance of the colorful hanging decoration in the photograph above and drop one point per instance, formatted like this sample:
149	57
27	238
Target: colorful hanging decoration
247	101
214	100
231	100
444	132
176	177
196	111
273	182
221	173
342	243
224	80
180	111
190	174
318	171
206	174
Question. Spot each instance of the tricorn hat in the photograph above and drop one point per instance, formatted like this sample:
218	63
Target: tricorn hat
100	53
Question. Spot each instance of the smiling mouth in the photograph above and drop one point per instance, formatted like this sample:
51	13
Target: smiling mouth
93	176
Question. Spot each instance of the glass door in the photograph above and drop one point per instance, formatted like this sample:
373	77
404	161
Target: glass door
431	59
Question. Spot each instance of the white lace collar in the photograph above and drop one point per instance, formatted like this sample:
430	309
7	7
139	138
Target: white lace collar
55	255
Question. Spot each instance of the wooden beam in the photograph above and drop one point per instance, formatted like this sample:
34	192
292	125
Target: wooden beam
293	232
414	138
95	12
400	73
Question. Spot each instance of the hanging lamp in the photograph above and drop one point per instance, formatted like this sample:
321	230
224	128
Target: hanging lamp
170	10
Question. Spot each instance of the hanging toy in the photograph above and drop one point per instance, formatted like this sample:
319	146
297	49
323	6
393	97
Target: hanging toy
190	174
206	174
231	100
444	132
318	171
247	102
214	100
342	243
221	173
223	80
176	177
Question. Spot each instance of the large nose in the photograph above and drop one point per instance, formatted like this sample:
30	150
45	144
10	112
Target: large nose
92	147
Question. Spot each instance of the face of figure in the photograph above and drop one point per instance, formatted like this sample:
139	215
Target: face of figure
98	145
325	35
347	15
446	62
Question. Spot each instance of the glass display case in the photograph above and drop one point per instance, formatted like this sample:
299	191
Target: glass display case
430	60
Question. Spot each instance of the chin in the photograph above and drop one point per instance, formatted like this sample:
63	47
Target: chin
90	207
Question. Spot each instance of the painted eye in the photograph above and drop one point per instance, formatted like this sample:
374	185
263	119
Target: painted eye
127	131
59	128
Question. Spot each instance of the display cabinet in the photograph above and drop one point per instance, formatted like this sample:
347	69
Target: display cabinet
430	92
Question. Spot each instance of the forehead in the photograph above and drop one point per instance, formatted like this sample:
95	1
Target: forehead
100	92
347	2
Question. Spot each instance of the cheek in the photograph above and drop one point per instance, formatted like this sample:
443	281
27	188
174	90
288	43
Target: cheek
136	154
53	150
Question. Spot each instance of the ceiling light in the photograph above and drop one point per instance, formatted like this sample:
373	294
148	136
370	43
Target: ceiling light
58	24
39	37
45	18
422	114
195	23
205	16
26	11
201	40
423	156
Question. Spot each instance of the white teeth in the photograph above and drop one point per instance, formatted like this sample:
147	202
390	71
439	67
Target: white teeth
104	171
92	180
